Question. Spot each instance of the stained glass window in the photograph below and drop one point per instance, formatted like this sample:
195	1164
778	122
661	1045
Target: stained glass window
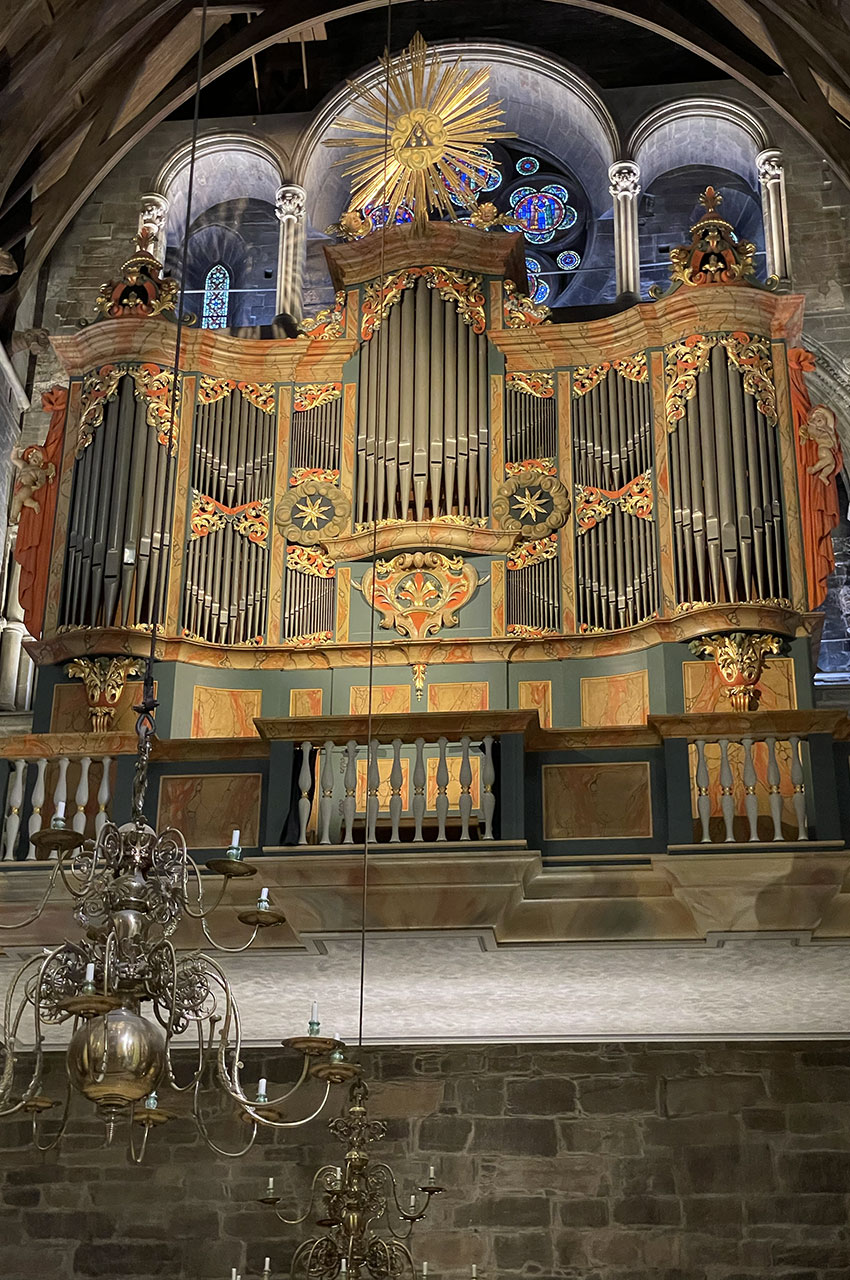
538	289
216	295
377	216
484	179
568	260
527	165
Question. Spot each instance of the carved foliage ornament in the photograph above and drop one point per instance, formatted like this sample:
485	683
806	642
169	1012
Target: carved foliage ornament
684	361
311	561
541	385
104	680
313	511
520	311
259	394
142	290
329	322
311	394
454	286
152	384
531	504
715	254
586	377
251	519
739	657
593	504
526	553
419	592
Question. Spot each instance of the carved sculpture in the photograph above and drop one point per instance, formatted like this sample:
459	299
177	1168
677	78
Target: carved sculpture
38	467
105	680
819	460
419	593
739	657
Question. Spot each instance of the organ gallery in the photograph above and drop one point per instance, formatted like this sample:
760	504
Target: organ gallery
425	607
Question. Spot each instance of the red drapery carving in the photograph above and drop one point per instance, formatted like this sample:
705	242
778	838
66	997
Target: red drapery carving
818	490
35	528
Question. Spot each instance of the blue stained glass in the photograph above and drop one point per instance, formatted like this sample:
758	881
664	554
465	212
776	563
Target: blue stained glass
540	214
520	194
555	189
482	180
541	292
569	259
532	264
216	296
527	165
377	217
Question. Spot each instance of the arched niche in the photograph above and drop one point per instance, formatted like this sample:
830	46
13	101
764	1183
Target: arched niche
681	148
235	181
546	104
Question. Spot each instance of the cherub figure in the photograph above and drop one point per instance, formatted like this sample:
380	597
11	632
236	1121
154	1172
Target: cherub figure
821	428
33	474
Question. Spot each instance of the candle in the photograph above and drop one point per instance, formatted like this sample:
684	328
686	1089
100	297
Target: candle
89	973
233	1273
424	1270
343	1266
270	1187
339	1174
314	1011
234	839
412	1200
474	1272
267	1264
60	809
261	1087
430	1173
336	1036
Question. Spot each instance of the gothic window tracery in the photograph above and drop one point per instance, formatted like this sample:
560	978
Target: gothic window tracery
216	297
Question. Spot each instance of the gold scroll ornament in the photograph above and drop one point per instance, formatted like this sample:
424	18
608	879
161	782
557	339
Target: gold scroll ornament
459	287
739	657
104	680
418	593
152	384
684	361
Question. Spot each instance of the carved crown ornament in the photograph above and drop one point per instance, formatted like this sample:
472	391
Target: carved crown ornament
739	657
105	680
142	289
715	254
418	593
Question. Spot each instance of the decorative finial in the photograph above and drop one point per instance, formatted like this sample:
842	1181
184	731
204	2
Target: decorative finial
710	199
715	254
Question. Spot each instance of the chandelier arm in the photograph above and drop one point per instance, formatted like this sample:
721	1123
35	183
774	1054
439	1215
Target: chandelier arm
218	946
203	1053
294	1222
90	875
404	1214
108	960
21	924
7	1079
138	1157
204	1131
202	910
63	1124
259	1118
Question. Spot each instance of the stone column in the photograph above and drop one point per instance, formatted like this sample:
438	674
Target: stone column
771	171
153	212
290	205
624	177
13	634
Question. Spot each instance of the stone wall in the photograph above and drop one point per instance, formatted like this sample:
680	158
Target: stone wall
599	1162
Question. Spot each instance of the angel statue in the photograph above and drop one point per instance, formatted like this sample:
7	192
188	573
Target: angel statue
34	472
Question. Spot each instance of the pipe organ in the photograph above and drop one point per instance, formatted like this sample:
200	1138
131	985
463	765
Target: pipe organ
436	456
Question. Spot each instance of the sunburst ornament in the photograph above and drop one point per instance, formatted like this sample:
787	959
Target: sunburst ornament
421	142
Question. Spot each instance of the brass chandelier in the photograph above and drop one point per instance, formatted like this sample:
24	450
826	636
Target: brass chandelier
364	1225
131	889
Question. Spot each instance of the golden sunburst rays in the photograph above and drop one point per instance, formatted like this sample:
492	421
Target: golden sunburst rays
439	121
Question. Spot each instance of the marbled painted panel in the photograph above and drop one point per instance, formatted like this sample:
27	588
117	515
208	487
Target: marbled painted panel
207	806
453	764
70	712
705	691
536	695
343	604
305	702
615	699
385	765
387	699
497	597
466	696
597	801
225	713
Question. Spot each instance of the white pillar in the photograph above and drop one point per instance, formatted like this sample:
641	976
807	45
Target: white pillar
624	177
11	640
771	171
153	212
290	205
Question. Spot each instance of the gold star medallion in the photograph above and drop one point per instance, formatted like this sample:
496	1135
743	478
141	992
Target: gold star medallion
529	505
311	511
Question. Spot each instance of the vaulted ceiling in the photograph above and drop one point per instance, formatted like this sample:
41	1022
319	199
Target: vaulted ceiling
82	81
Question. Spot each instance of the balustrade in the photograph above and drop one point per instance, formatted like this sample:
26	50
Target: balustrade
47	785
738	766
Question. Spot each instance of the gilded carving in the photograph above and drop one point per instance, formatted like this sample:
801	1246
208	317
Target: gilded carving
250	519
531	504
310	641
526	553
541	385
329	475
311	561
419	669
329	322
634	498
99	388
520	631
104	680
751	357
546	466
259	394
142	290
312	512
520	311
459	287
683	362
211	389
419	592
311	394
715	254
152	384
633	367
586	377
739	657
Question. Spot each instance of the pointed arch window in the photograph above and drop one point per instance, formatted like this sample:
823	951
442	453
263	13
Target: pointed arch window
216	297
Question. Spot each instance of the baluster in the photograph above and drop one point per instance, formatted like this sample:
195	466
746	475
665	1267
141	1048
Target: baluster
304	778
81	796
773	785
104	794
750	798
60	791
488	779
36	818
419	790
395	791
349	804
727	803
326	802
442	805
799	790
703	798
465	789
373	781
14	801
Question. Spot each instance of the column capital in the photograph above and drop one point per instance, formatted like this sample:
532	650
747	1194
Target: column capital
770	164
153	209
624	177
290	202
